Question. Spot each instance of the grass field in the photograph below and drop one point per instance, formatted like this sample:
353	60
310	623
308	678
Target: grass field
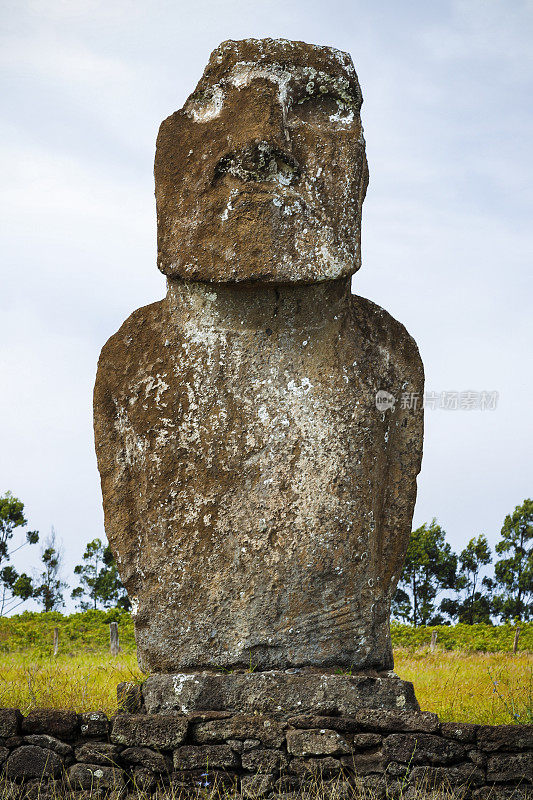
463	683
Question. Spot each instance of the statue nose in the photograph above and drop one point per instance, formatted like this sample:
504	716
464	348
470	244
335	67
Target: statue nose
260	146
260	161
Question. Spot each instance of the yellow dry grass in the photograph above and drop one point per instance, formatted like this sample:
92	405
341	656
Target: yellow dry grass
488	688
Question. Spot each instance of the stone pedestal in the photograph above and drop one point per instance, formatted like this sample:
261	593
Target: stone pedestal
279	693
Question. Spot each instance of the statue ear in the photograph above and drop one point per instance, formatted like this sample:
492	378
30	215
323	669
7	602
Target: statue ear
364	181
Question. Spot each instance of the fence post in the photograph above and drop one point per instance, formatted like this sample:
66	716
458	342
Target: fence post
515	643
433	644
56	641
114	645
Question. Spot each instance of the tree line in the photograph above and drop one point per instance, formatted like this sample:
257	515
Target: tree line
99	585
431	570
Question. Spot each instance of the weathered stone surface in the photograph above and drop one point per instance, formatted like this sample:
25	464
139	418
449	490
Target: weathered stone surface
11	741
95	776
62	724
307	767
373	786
144	780
316	743
365	762
29	761
10	719
4	752
50	743
478	757
268	731
258	501
436	777
462	731
264	761
285	693
422	749
145	757
253	786
510	767
215	756
199	781
94	723
263	118
98	753
9	789
162	731
405	720
129	697
362	741
504	737
374	719
503	793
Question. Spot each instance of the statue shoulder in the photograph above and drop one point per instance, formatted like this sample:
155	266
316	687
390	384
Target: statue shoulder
132	347
391	338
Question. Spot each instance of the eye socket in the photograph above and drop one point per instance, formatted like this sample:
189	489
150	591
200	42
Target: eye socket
324	108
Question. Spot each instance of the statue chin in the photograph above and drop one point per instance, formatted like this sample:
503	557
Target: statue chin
257	245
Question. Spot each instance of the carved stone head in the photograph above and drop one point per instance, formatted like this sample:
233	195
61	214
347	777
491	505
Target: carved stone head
262	174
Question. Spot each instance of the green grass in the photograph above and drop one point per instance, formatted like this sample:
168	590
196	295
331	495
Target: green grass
471	677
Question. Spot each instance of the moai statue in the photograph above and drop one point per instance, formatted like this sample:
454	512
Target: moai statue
258	466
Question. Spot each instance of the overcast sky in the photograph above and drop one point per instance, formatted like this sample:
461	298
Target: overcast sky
447	234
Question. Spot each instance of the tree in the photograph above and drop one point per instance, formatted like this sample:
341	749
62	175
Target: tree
15	588
475	605
49	589
99	579
514	574
430	567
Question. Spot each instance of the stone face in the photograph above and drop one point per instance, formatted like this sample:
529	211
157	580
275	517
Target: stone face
284	694
257	499
272	134
162	731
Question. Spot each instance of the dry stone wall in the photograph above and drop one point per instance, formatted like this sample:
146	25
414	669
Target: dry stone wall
392	753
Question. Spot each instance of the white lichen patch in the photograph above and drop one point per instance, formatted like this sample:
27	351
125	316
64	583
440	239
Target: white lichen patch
208	108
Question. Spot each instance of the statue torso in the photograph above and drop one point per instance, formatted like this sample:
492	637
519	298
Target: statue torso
254	460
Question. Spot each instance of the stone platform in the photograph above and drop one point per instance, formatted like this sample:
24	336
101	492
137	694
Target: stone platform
280	693
382	754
